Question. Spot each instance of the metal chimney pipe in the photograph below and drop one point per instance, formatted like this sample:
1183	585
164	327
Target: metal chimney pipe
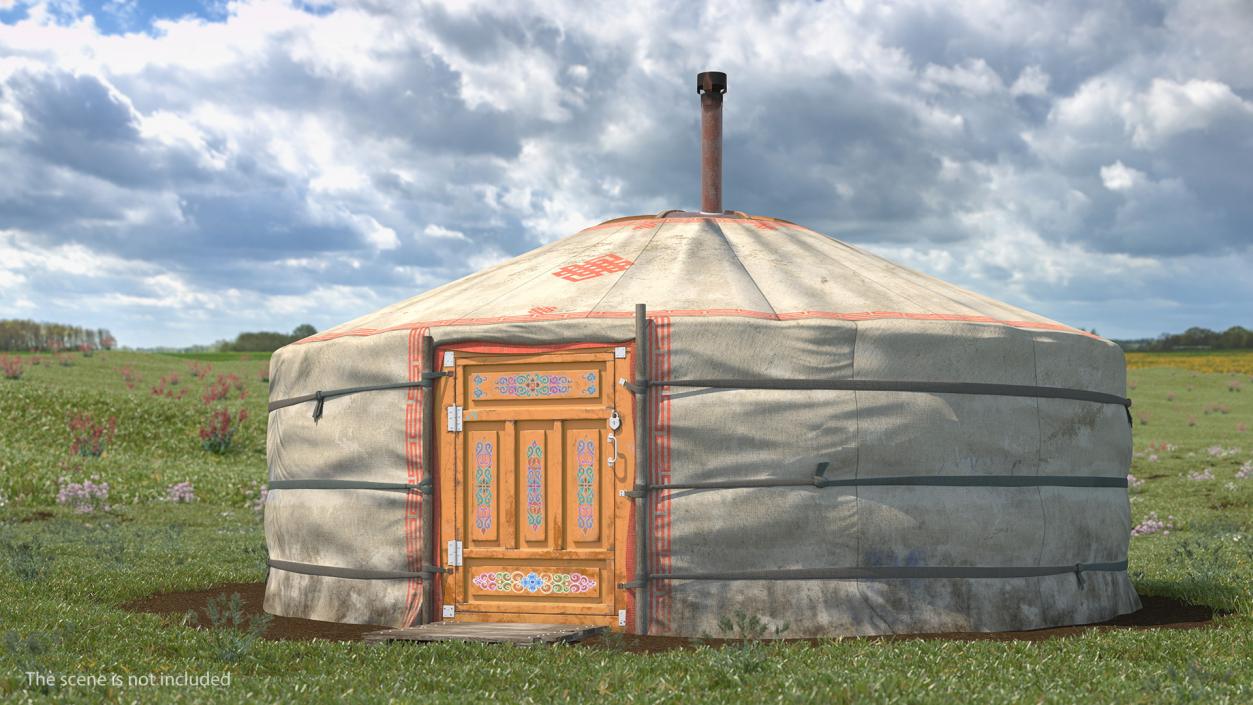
711	85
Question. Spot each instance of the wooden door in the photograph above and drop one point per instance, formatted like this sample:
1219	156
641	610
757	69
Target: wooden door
535	473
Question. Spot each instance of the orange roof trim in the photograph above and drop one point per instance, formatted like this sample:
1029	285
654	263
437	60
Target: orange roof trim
703	313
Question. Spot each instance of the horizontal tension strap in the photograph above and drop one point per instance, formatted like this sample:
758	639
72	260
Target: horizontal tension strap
424	487
321	396
354	573
879	385
899	572
903	481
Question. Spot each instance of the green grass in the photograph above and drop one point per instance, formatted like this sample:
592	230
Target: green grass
157	440
222	356
62	579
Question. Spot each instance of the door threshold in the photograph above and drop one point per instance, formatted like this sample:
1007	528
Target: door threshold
520	634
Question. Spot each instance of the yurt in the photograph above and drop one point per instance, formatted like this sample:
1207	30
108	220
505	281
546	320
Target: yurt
666	419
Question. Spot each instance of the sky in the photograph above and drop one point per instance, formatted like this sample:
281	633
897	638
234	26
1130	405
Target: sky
180	171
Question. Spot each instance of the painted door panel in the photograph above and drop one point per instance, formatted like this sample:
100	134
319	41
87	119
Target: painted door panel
534	491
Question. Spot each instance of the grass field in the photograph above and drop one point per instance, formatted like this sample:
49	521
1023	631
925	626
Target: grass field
63	574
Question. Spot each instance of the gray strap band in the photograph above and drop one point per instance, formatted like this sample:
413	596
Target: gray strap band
877	385
354	573
898	572
907	480
321	396
817	481
424	487
866	573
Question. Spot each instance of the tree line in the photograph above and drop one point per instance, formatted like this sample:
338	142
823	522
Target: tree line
19	335
1196	338
266	341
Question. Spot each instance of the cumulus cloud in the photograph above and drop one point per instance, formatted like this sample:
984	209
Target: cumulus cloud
178	178
1119	177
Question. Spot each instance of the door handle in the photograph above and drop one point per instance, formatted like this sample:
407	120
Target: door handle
614	442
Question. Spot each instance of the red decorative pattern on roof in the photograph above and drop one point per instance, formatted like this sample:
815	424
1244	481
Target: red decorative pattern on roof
592	268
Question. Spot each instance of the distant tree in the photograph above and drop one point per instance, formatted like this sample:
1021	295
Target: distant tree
1234	338
260	341
269	341
302	331
32	336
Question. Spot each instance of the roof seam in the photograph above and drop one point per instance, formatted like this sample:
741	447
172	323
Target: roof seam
626	271
740	262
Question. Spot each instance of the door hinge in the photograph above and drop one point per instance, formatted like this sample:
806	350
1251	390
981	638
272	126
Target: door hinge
454	553
450	611
621	618
620	352
454	418
449	358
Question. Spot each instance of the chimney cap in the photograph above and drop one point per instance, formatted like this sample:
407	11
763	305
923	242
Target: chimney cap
711	82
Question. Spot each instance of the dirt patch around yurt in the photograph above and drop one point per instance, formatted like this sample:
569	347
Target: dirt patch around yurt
174	605
1157	613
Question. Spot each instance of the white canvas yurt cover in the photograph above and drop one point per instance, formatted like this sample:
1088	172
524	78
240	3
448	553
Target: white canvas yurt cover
797	429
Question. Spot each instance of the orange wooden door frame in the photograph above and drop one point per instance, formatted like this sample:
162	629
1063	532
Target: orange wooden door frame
565	542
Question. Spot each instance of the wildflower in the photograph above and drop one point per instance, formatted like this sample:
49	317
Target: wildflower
84	497
88	437
11	366
219	429
128	376
1245	471
221	389
181	492
1206	474
1153	458
1133	483
1152	525
166	388
199	371
1220	452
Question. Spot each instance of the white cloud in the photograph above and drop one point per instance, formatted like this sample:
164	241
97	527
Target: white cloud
1032	81
439	231
1169	108
379	235
1118	177
971	76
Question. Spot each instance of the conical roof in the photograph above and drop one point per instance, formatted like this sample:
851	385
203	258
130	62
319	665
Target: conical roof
735	265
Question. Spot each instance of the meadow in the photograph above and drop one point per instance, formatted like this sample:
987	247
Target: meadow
179	514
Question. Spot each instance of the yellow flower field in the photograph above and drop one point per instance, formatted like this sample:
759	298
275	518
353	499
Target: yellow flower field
1220	361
